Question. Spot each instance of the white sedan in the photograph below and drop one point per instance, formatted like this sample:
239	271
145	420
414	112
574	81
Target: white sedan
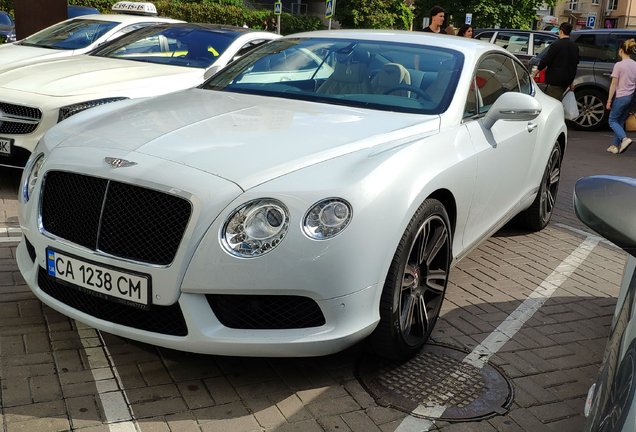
261	217
147	62
79	35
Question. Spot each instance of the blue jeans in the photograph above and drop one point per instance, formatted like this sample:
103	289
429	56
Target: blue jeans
617	117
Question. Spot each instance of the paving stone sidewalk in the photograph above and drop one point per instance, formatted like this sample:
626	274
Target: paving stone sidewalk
59	375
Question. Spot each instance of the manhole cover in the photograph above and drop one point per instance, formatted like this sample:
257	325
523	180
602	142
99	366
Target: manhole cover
437	384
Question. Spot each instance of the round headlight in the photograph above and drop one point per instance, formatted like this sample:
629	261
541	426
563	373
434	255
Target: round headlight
327	218
31	178
255	228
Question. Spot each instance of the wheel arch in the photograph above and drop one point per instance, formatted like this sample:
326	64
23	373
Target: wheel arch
447	198
562	140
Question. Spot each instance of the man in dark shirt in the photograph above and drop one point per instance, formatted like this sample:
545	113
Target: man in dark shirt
437	19
561	60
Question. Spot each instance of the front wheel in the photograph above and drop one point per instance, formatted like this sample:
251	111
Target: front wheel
537	216
415	285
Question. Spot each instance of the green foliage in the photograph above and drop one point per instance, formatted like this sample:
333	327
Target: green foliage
373	14
230	12
486	13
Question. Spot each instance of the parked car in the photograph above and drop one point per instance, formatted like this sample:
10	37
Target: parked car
151	61
293	214
75	11
7	28
607	205
524	44
598	51
78	35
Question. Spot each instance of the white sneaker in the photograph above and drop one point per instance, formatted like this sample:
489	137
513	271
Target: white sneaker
624	144
613	149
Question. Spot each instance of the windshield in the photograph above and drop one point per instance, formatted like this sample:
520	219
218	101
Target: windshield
70	35
377	75
176	46
5	20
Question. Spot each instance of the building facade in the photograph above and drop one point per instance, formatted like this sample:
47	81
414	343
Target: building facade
619	14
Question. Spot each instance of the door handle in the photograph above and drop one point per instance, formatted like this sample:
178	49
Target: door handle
532	126
606	74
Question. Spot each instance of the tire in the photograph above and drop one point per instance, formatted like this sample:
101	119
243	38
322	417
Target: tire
417	277
537	216
593	114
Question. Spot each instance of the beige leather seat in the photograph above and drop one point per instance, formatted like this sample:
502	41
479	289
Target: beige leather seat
350	76
390	75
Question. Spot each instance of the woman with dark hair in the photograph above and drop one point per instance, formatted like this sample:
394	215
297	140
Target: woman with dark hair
623	84
465	31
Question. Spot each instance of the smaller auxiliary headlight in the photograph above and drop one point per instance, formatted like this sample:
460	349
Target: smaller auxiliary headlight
32	176
327	218
255	228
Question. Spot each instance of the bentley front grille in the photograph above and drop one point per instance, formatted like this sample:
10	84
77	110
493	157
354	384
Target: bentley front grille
266	311
18	119
115	218
167	320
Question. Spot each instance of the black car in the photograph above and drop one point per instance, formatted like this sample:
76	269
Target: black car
7	28
598	52
607	205
524	44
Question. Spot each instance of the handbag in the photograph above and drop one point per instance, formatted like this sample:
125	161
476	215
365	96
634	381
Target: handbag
571	110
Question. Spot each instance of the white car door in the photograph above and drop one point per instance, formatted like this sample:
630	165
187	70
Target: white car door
504	152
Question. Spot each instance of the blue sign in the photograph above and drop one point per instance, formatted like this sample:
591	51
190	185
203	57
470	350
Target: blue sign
277	8
591	21
329	10
469	18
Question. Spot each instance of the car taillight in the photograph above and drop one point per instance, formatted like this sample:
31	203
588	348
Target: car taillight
541	78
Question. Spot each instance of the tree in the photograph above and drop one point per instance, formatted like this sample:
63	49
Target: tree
373	14
486	13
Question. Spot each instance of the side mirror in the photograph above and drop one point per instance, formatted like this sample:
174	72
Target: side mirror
512	106
211	71
607	205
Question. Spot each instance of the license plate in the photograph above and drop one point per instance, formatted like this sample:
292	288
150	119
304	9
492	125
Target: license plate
108	283
5	146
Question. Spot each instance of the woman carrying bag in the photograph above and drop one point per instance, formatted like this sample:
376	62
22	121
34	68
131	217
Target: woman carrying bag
623	84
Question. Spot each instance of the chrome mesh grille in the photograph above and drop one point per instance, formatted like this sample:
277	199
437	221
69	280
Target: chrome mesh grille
15	127
116	218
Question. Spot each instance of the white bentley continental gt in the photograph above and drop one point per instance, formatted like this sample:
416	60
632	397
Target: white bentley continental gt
147	62
288	208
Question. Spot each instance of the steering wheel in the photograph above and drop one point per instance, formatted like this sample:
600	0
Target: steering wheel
418	91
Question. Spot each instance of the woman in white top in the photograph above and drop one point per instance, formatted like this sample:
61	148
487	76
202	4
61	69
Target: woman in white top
623	84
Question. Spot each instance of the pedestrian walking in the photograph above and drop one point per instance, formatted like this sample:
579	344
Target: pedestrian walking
273	27
437	20
623	84
561	61
466	30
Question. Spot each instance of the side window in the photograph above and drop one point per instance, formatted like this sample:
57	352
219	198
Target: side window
516	43
495	76
471	101
132	27
541	43
525	86
590	46
485	36
610	51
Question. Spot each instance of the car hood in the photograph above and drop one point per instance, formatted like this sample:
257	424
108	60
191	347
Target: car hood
6	29
12	53
82	75
246	139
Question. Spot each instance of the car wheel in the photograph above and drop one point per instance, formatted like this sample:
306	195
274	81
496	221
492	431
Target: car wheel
537	216
592	112
415	285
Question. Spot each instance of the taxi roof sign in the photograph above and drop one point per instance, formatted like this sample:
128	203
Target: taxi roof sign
136	8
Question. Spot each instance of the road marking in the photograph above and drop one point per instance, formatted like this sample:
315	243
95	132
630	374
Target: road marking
109	385
10	239
586	234
511	325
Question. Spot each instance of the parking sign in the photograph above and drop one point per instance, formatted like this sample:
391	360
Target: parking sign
469	18
591	19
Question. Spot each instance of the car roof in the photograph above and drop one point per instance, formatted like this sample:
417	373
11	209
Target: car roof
409	37
123	18
603	31
516	31
217	27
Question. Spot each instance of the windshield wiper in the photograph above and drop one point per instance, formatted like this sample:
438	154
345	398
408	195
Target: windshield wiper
42	46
